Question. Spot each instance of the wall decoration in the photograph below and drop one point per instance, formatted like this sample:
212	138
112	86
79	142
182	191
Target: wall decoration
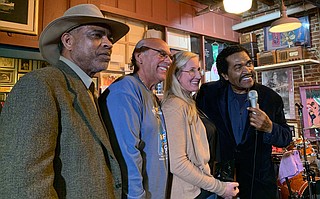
281	81
7	77
25	65
298	37
310	100
41	64
5	89
20	75
6	62
294	129
19	16
106	78
3	97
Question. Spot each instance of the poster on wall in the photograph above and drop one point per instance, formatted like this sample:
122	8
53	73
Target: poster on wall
310	100
281	81
298	37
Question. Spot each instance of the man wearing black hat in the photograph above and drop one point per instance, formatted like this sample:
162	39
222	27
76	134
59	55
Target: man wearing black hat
53	142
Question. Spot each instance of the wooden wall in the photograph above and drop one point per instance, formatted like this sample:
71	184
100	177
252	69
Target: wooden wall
179	14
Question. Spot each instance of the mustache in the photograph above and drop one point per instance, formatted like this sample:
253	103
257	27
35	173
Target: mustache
107	52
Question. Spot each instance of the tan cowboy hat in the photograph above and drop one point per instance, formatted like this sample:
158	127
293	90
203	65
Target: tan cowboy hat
78	15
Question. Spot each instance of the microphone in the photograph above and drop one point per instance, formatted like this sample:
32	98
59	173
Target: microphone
253	98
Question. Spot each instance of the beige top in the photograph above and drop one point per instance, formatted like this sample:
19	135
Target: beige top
188	153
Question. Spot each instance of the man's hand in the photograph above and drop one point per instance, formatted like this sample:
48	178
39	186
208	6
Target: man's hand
259	119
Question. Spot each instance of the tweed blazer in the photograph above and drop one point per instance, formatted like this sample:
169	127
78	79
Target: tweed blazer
53	143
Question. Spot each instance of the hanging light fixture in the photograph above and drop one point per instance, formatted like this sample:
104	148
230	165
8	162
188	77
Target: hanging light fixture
237	6
285	23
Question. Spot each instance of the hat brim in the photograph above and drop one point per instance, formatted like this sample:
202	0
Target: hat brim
51	35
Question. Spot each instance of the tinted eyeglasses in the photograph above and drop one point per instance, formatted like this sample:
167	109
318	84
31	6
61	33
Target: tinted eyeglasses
163	54
193	71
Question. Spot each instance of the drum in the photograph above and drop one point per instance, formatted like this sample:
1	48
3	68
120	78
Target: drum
299	188
298	143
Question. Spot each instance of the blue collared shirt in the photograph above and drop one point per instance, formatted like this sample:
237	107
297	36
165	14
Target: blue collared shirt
238	113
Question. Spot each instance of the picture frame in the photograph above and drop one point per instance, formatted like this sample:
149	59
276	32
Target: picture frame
20	75
281	81
107	78
3	97
6	62
294	129
25	65
41	64
298	37
20	16
5	89
7	77
310	100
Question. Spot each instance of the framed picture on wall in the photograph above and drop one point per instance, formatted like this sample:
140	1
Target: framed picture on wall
6	62
298	37
294	128
19	16
25	65
20	75
106	78
7	77
310	100
281	81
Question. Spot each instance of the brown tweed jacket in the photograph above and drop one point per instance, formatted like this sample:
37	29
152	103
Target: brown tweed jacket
53	143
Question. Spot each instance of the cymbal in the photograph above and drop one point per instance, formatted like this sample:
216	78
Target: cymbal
312	127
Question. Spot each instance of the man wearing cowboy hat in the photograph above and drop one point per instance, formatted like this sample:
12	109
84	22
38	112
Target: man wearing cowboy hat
53	142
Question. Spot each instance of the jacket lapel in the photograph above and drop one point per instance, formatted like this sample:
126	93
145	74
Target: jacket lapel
85	106
223	109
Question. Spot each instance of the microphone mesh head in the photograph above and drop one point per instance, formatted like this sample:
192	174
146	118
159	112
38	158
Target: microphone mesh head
253	94
253	98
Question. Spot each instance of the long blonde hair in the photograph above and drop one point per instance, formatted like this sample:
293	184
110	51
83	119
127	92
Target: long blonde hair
172	87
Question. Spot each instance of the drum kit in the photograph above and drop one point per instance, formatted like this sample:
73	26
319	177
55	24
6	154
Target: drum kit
297	177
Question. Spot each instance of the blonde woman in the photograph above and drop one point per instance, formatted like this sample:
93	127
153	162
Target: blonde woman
188	144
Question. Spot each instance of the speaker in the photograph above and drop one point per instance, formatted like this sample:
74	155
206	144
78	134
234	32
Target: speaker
247	38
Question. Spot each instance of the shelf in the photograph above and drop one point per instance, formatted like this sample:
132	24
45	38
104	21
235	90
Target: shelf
300	63
287	64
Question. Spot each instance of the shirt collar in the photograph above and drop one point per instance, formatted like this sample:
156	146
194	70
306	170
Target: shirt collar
83	76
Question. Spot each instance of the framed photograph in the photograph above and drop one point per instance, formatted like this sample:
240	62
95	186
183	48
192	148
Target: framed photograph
25	65
41	64
6	62
20	75
19	16
106	78
298	37
310	100
294	129
7	77
3	97
281	81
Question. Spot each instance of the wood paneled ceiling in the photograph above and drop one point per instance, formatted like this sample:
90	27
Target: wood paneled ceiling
212	4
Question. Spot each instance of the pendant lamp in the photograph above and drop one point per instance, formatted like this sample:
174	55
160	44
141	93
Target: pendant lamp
237	6
285	23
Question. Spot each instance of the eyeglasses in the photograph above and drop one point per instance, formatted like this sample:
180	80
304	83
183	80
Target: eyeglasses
193	72
163	54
